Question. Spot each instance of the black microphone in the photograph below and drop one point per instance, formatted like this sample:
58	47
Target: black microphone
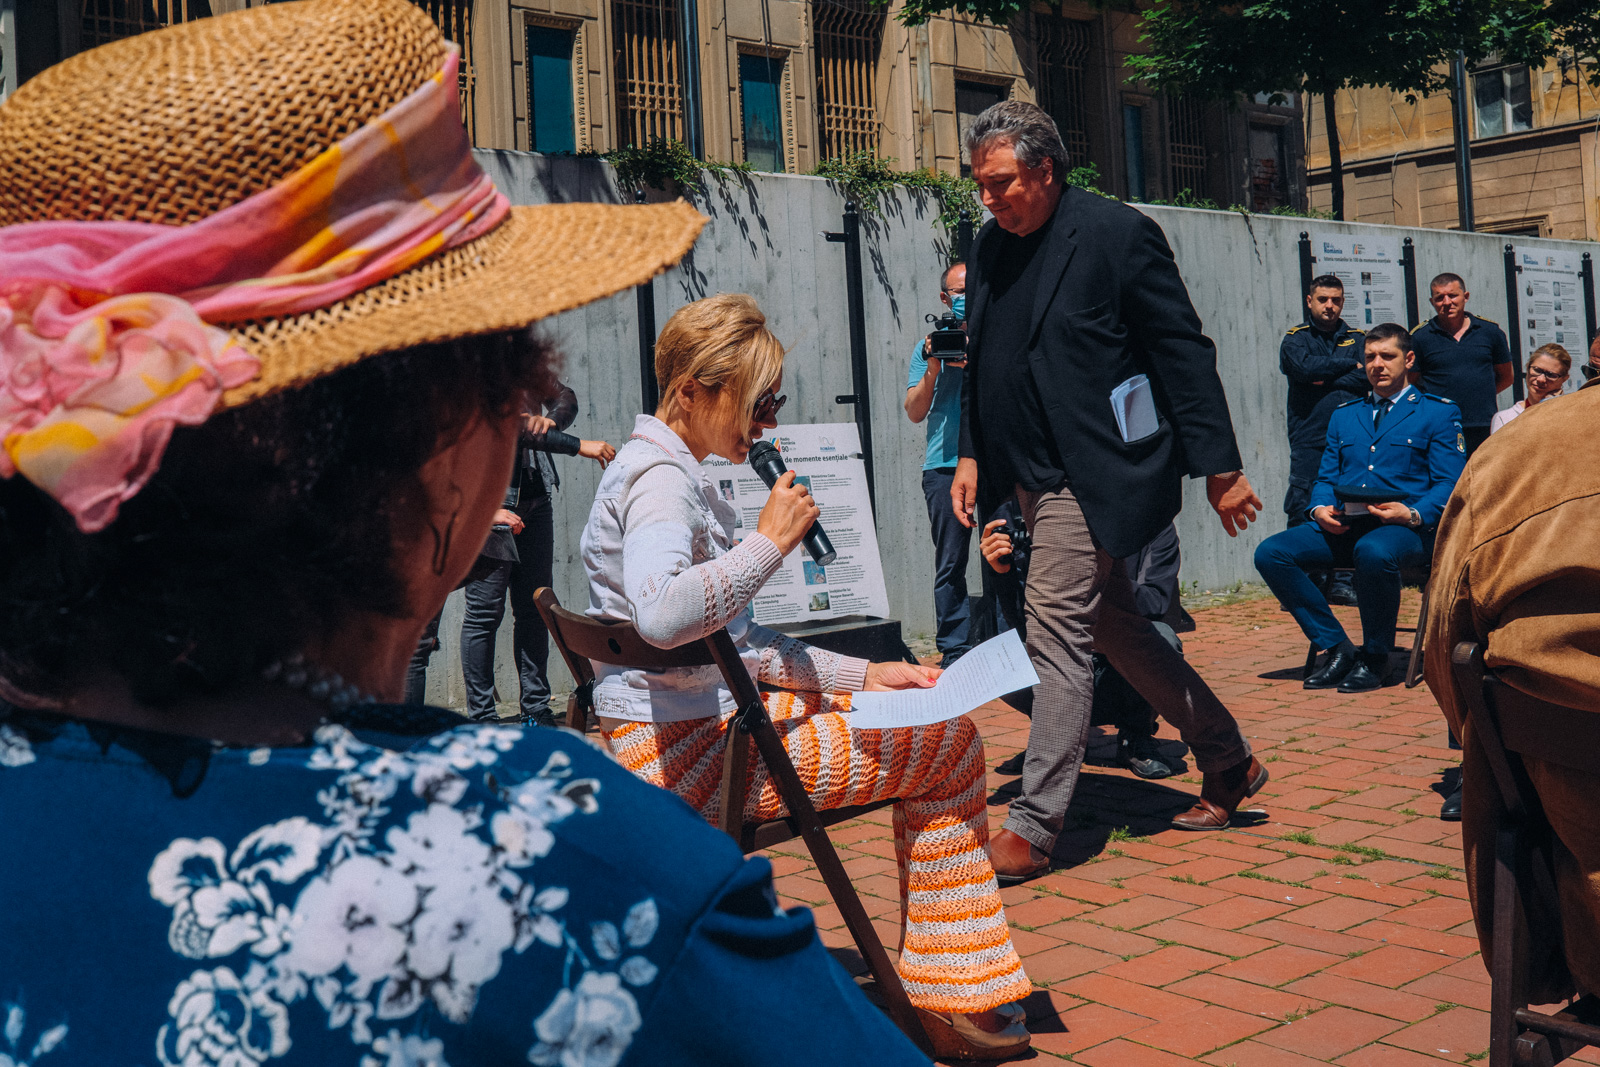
767	461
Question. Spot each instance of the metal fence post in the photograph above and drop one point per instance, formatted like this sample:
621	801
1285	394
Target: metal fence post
1306	259
645	297
1408	264
862	397
1514	311
1586	275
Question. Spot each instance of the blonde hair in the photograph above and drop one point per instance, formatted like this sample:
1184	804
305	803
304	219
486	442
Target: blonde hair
721	341
1555	352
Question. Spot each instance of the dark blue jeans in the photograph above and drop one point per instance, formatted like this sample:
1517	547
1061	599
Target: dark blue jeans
486	606
1377	551
950	543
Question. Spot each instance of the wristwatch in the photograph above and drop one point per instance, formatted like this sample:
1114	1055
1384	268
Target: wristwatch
1416	519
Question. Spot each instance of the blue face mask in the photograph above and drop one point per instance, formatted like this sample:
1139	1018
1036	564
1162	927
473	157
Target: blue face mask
958	305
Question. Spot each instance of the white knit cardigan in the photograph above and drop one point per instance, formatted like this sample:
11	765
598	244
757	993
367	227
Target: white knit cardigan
660	553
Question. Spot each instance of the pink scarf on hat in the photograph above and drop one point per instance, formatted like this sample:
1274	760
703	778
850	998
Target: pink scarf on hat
106	328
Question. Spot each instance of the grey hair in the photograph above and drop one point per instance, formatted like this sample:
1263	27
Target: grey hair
1027	128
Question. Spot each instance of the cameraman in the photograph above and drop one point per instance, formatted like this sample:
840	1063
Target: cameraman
933	392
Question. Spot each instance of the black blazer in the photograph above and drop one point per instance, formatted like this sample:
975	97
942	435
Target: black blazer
1110	305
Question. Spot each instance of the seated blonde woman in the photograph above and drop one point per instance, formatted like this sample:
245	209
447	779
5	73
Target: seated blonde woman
660	552
1548	368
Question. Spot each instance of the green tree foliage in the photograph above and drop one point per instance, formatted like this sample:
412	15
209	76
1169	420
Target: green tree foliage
1215	48
1220	48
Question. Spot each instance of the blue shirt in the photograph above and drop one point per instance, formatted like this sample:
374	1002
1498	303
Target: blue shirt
944	415
1462	370
390	896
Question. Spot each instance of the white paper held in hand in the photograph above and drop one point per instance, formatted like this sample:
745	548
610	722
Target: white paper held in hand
1135	408
998	666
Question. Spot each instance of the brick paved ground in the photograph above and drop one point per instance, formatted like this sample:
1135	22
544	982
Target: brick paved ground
1334	930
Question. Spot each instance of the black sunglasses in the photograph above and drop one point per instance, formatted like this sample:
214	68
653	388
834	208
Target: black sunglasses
1590	370
767	406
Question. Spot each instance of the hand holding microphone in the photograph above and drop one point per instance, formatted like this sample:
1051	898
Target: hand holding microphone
790	514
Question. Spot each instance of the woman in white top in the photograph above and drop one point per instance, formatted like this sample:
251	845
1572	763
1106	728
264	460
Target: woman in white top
1548	368
661	553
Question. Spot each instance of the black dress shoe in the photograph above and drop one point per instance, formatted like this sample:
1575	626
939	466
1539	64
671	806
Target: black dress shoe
1451	811
1340	591
1140	754
1362	677
1340	660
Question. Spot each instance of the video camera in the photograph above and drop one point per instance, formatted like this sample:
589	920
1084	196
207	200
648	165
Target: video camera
948	340
1021	542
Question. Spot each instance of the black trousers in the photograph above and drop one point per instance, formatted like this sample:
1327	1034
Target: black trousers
486	606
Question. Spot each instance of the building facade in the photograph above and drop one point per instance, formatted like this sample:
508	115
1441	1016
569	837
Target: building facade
785	84
1534	149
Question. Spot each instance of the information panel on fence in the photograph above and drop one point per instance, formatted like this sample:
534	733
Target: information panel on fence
1549	300
827	457
1374	281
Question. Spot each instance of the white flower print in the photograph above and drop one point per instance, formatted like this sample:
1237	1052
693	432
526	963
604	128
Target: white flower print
219	905
352	915
16	1027
14	748
217	1022
390	915
590	1026
393	1050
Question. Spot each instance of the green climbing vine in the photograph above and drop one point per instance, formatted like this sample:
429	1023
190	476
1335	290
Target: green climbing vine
867	178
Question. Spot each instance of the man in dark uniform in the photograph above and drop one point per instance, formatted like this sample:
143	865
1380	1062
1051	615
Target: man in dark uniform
1322	360
1321	357
1401	442
1461	357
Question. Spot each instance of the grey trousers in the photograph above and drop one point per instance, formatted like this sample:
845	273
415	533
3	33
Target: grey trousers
1079	600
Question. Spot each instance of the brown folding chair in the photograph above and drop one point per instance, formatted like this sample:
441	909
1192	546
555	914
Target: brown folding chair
1510	724
1414	662
581	639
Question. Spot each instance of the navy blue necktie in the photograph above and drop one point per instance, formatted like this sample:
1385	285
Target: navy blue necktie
1380	411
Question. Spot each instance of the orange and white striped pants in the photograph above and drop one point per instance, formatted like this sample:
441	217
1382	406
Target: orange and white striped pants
956	953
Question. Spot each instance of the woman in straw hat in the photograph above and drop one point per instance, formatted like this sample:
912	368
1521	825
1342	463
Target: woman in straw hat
661	552
263	330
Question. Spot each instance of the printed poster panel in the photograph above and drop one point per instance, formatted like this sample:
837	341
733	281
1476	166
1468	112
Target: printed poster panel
1550	303
827	457
1374	281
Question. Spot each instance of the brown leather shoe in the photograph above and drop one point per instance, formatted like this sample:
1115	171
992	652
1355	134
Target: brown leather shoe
1221	794
1014	858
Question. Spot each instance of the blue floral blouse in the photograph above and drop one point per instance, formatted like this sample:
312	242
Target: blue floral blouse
394	895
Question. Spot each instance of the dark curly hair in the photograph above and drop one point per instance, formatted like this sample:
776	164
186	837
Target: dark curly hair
268	525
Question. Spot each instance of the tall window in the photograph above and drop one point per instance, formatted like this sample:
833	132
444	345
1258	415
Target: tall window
972	100
848	36
1502	100
454	19
550	106
1133	149
1064	54
1186	146
103	21
760	82
1269	176
649	83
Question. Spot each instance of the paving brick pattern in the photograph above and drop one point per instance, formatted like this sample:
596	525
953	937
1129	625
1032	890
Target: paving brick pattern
1332	929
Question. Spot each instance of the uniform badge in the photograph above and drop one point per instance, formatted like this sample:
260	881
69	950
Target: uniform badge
1461	442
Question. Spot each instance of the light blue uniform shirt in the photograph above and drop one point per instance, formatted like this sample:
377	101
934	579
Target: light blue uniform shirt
944	415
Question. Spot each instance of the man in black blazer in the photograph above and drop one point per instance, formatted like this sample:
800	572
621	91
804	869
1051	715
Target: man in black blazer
1070	295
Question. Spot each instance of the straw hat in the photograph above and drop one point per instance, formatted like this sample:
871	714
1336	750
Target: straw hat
175	125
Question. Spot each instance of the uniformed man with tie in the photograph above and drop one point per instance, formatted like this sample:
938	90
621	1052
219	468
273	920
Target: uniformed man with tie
1388	467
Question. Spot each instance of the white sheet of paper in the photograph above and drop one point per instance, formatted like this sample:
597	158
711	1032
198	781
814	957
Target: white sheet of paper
1135	408
998	666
